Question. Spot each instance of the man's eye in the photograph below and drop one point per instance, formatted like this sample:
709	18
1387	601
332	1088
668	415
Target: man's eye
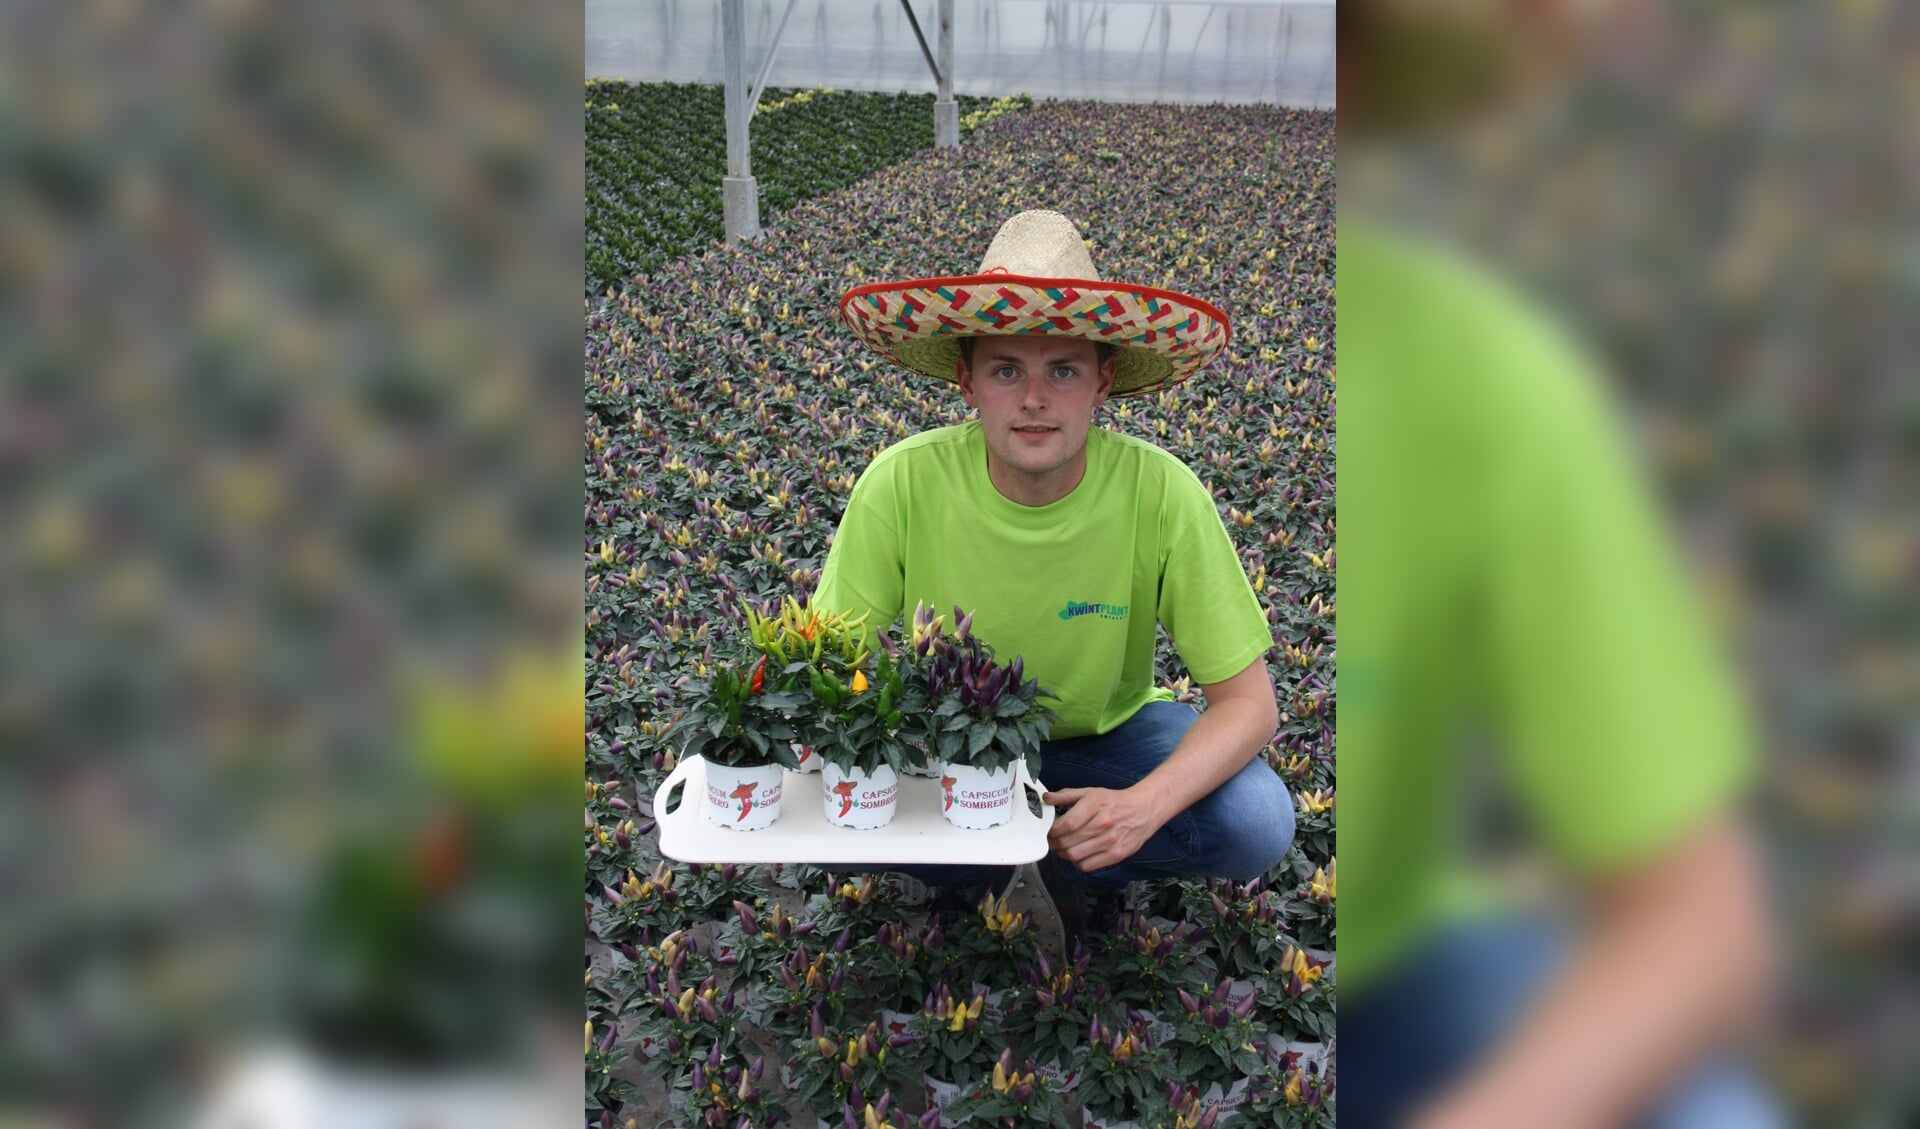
1005	372
1064	373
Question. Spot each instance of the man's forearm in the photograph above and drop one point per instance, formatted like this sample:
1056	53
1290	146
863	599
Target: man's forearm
1670	965
1222	741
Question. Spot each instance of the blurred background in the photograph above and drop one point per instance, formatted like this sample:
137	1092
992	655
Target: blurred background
289	485
1272	52
1719	201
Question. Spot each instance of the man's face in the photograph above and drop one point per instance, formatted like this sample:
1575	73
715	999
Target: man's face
1035	396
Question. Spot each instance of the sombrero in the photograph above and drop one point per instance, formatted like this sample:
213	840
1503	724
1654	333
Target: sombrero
1037	277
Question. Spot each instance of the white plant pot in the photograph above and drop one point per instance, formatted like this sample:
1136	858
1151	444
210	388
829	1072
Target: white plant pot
941	1094
857	800
743	799
1089	1121
1304	1055
974	799
1064	1078
1158	1029
809	760
1228	1100
1239	990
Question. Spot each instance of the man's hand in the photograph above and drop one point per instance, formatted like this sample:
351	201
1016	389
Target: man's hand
1103	827
1100	827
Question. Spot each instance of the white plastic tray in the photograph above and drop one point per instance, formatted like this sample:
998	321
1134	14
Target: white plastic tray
919	834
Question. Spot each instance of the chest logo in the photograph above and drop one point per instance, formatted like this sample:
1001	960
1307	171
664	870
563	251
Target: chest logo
1075	610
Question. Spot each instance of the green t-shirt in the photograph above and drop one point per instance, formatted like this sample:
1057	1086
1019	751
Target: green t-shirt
1075	587
1503	574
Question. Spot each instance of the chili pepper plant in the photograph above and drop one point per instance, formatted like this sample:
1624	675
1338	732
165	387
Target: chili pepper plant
1294	1099
1148	968
973	710
1240	924
994	943
955	1036
1122	1069
1298	999
831	1073
1214	1040
1046	1014
1014	1096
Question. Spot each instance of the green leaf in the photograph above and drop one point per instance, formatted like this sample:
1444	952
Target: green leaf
979	738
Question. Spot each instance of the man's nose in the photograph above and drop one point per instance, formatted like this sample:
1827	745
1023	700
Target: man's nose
1033	393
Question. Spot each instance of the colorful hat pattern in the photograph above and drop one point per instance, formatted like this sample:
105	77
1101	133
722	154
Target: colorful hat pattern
1037	277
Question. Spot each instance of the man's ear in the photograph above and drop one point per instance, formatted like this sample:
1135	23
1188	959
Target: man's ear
965	376
1108	368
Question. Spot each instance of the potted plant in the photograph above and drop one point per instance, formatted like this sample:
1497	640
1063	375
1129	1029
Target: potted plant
1241	925
1218	1043
858	740
1048	1015
1311	913
723	1093
753	945
679	1019
739	724
807	989
978	717
851	720
802	637
830	1073
861	1112
1299	997
957	1041
1147	967
1014	1096
992	944
641	909
1296	1098
1121	1071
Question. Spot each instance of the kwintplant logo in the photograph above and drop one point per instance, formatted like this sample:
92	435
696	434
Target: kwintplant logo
1104	611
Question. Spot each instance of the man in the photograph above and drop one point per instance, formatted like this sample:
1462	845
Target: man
1506	587
1070	544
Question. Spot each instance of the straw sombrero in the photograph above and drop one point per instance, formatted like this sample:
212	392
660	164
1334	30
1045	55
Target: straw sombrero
1037	277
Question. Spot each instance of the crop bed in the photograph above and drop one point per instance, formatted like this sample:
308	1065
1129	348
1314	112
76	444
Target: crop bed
727	417
656	153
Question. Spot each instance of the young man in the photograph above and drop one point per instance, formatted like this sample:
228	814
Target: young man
1070	544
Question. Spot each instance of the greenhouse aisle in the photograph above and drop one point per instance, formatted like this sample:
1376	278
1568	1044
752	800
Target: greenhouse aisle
1235	51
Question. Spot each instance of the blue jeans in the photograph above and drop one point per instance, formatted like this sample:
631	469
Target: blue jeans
1445	1007
1238	831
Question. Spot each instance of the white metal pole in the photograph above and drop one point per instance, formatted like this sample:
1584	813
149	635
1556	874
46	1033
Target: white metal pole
739	195
946	112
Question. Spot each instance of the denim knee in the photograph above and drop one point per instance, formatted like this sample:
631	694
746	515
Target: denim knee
1248	822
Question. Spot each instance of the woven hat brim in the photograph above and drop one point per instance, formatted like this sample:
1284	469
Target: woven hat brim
1160	337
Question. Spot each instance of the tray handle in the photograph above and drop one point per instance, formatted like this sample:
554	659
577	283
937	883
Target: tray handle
1024	779
681	773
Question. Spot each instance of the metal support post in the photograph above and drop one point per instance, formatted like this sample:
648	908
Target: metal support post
740	196
946	112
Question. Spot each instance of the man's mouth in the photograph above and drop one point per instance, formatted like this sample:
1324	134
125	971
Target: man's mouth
1034	429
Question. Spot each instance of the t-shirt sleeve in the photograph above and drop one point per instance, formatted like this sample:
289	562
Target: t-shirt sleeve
865	567
1206	603
1620	718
